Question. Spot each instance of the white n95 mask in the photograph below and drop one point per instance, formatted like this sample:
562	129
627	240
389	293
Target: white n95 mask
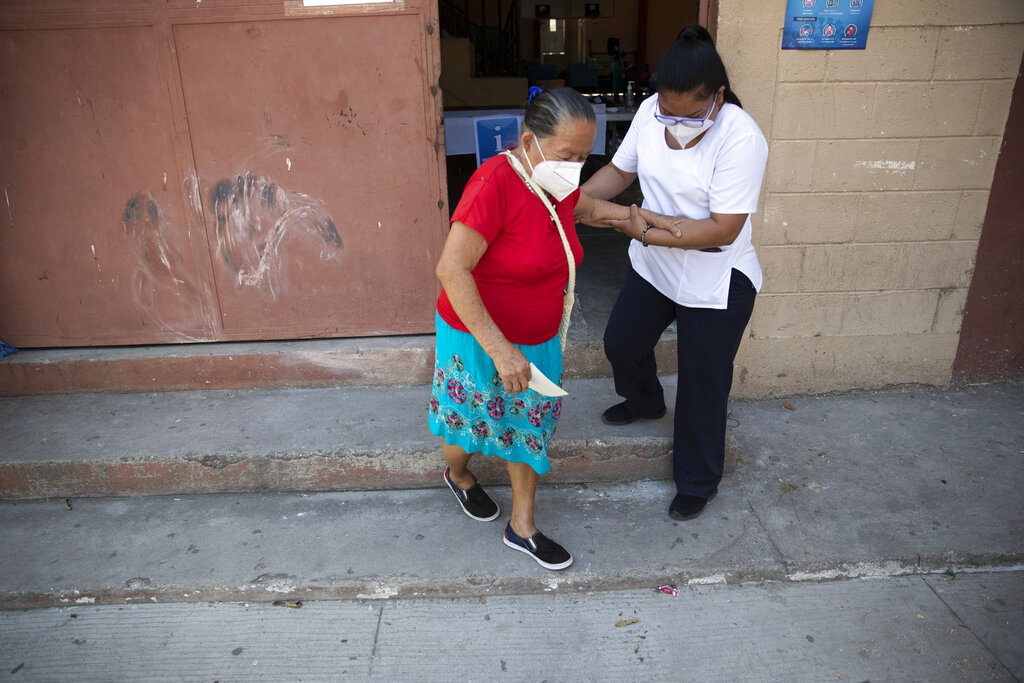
558	178
683	134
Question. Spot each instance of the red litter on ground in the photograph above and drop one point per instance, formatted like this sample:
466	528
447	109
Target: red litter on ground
671	590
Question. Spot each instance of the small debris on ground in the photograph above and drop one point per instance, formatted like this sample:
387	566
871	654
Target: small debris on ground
789	406
67	503
671	590
626	622
294	604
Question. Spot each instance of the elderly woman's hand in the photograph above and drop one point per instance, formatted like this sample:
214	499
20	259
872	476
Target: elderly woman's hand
513	368
632	226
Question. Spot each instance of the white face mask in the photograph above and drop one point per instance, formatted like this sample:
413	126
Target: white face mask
683	134
559	178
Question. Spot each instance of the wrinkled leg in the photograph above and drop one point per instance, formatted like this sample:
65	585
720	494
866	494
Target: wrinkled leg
524	488
458	460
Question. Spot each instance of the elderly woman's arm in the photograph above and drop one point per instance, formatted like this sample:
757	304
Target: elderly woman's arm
603	214
593	207
462	251
598	212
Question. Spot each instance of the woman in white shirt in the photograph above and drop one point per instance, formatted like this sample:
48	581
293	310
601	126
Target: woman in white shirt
700	160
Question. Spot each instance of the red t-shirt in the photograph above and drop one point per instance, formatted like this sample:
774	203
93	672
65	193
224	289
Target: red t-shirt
523	274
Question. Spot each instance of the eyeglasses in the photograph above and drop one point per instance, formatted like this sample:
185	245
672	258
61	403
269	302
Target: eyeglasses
689	123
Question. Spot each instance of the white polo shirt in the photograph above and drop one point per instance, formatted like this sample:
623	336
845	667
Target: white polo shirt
721	173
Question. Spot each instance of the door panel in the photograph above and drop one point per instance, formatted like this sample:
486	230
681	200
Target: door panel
237	169
95	233
311	149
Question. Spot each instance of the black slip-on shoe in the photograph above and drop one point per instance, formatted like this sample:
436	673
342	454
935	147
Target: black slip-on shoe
548	554
620	414
685	507
475	502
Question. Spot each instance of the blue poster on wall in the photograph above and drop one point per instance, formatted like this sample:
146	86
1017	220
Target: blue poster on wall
827	24
493	134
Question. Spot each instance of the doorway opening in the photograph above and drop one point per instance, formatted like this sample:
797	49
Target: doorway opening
492	51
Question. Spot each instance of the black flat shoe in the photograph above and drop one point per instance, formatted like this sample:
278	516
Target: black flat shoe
620	414
686	507
474	501
548	554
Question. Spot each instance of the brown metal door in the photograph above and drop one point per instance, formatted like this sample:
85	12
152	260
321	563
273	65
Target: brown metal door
217	170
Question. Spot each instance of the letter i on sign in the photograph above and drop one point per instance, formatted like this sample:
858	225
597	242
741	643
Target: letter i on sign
493	134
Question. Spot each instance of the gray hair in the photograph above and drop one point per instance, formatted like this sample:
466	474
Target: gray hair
553	107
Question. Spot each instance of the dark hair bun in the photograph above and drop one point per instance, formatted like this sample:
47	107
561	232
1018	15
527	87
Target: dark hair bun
695	33
692	64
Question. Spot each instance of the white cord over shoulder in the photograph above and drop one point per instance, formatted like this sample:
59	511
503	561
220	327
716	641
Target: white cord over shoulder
570	291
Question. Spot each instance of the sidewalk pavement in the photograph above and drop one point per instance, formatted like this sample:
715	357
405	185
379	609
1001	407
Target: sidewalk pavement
921	628
905	488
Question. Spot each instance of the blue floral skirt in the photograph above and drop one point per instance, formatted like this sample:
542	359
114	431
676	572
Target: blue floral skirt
469	406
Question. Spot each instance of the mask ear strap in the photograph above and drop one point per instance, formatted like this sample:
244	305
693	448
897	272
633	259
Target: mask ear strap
526	155
539	148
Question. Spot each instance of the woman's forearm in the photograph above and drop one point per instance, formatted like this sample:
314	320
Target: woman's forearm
597	212
608	182
718	230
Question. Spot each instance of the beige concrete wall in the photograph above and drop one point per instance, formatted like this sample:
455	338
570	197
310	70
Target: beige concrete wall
878	177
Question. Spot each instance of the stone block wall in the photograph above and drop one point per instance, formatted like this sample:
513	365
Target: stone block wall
878	178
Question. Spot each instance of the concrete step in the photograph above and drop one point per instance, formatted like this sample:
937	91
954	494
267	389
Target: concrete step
243	365
335	439
358	438
371	361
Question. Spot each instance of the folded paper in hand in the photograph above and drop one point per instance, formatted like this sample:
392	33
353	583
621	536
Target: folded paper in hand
542	385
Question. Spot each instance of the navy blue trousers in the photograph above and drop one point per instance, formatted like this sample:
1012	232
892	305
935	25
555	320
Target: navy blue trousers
708	341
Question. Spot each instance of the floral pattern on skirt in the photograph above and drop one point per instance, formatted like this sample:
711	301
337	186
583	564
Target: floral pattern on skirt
470	408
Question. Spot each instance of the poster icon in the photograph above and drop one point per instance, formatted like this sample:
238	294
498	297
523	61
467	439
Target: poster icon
851	30
493	134
808	4
828	30
806	30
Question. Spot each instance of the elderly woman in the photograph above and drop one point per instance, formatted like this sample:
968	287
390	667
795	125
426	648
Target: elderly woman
508	270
